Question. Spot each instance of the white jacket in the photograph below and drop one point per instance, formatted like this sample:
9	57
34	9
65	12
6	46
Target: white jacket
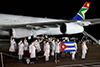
26	45
44	44
21	49
12	46
57	47
47	49
84	47
53	44
32	51
37	45
75	46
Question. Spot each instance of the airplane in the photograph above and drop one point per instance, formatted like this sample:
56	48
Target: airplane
25	26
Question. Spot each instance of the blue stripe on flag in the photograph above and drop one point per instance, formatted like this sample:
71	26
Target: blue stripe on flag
71	46
67	41
68	50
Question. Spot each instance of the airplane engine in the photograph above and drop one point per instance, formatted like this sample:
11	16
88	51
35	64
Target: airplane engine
71	28
4	33
53	31
21	32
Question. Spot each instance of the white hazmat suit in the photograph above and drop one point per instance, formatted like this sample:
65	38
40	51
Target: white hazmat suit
47	51
21	50
84	49
32	51
53	47
12	46
73	53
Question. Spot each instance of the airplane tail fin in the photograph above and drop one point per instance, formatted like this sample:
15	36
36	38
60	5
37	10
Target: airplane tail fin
81	14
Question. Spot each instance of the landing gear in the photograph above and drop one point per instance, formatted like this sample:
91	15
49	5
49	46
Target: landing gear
86	35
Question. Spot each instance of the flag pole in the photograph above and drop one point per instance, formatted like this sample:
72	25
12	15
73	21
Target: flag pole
2	60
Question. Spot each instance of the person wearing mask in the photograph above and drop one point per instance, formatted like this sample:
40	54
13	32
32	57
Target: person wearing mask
44	44
53	46
12	46
84	50
21	50
37	46
32	50
74	52
26	48
57	51
47	51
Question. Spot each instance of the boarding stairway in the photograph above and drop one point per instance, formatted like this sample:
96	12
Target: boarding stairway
94	39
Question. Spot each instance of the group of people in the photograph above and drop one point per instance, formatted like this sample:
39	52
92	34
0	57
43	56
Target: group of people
22	48
34	48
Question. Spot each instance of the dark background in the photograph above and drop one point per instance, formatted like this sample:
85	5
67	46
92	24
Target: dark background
53	9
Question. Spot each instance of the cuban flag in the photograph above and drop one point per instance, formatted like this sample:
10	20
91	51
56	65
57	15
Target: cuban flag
67	46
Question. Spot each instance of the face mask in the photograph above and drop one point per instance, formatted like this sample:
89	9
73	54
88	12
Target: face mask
36	40
13	39
32	43
21	41
58	40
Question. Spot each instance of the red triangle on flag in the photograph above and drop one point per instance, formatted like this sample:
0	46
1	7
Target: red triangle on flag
63	46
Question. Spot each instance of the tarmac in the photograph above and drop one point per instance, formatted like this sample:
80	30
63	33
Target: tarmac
92	59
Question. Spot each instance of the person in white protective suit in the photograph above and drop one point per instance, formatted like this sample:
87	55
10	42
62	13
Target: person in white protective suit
84	50
21	50
26	45
66	39
57	51
74	52
37	46
32	50
53	46
12	46
44	44
47	51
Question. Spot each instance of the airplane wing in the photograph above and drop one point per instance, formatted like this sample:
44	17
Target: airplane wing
41	24
49	23
14	21
94	21
87	22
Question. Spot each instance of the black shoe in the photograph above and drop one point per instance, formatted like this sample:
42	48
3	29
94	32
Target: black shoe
83	59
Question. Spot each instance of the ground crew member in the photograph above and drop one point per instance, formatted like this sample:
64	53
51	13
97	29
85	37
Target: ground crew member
21	50
12	46
57	51
47	51
32	53
84	50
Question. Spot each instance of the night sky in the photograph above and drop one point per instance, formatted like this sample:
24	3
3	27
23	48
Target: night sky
53	9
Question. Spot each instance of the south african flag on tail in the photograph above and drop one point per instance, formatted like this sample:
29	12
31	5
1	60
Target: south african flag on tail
81	14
